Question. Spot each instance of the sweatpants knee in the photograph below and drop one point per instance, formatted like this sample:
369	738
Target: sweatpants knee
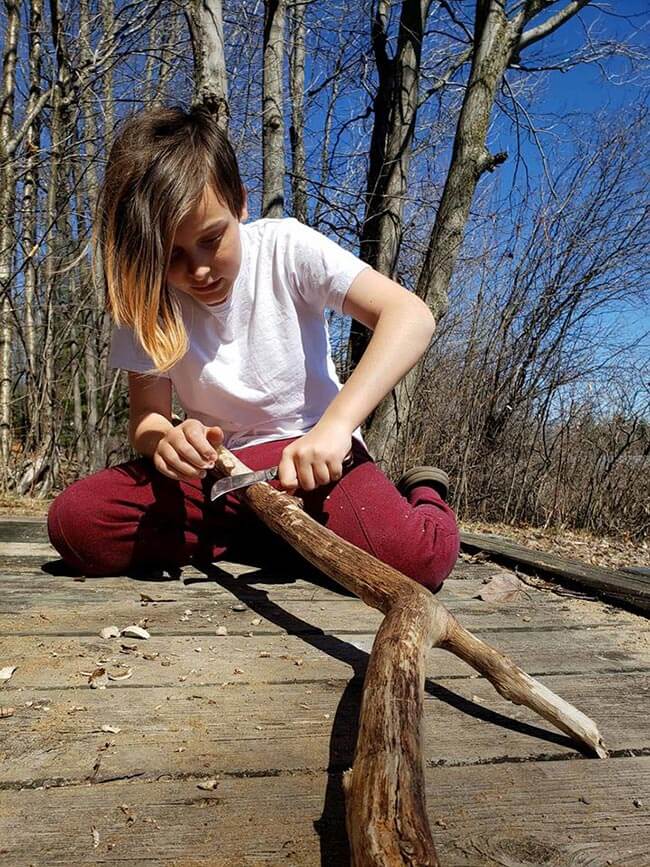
432	564
74	536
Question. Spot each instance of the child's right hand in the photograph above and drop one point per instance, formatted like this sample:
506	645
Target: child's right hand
187	450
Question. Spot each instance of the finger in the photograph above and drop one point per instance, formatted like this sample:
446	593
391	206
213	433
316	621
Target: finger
198	450
305	475
336	470
162	468
215	437
321	472
287	473
174	461
190	455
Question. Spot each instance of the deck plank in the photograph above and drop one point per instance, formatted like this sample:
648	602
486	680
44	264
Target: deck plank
612	584
279	728
565	814
53	662
263	728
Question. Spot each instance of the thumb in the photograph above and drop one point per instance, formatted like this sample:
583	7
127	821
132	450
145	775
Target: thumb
214	435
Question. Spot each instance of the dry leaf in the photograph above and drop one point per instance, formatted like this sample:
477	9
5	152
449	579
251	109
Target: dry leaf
135	632
95	834
6	712
208	785
502	587
256	622
5	673
113	730
110	632
221	630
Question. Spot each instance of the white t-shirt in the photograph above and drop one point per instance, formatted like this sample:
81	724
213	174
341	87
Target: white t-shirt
259	364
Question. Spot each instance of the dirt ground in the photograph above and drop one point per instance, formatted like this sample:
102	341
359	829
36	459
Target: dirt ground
606	551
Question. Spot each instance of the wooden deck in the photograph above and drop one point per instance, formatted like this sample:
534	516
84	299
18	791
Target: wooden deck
229	749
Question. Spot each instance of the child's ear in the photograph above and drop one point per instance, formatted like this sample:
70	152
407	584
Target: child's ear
244	210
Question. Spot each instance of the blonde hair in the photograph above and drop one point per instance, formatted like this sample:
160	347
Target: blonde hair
158	166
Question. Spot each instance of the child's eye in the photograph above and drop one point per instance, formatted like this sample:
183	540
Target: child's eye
214	240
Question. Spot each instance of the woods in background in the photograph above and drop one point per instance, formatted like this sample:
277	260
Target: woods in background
374	124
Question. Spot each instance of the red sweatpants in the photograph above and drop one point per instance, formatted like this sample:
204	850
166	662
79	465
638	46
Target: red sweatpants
131	518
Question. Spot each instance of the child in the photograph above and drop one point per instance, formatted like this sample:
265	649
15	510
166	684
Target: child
231	315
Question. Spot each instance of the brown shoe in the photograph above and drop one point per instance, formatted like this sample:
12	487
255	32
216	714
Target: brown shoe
433	476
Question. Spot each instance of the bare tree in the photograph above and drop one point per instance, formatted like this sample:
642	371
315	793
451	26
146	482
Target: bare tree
273	110
205	21
498	42
297	129
509	400
7	198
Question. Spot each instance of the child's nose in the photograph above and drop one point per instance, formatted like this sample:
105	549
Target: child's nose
199	265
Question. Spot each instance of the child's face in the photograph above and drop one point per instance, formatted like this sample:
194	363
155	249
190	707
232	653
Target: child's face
206	252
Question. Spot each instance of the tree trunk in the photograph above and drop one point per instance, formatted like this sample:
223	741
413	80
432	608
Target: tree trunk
297	93
395	112
272	110
322	199
30	203
96	327
384	790
205	22
7	200
108	106
497	41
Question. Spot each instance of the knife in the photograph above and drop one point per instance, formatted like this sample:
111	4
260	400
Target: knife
242	480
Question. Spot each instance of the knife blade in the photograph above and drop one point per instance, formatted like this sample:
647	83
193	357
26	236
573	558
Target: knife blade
241	480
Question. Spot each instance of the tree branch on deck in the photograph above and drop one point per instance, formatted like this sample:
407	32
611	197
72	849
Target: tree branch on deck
386	814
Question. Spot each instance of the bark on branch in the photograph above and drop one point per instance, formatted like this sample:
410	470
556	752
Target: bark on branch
384	790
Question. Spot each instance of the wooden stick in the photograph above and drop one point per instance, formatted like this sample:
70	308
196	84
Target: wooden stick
384	790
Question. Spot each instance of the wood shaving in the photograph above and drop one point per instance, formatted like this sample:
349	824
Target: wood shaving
98	679
121	675
135	632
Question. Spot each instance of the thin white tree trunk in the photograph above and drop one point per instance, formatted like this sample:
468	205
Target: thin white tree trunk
30	202
273	110
7	199
297	92
205	21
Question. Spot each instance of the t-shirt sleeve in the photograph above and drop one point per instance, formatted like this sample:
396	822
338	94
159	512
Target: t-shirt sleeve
319	269
127	353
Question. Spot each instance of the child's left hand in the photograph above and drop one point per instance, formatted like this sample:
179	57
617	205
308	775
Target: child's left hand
315	458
